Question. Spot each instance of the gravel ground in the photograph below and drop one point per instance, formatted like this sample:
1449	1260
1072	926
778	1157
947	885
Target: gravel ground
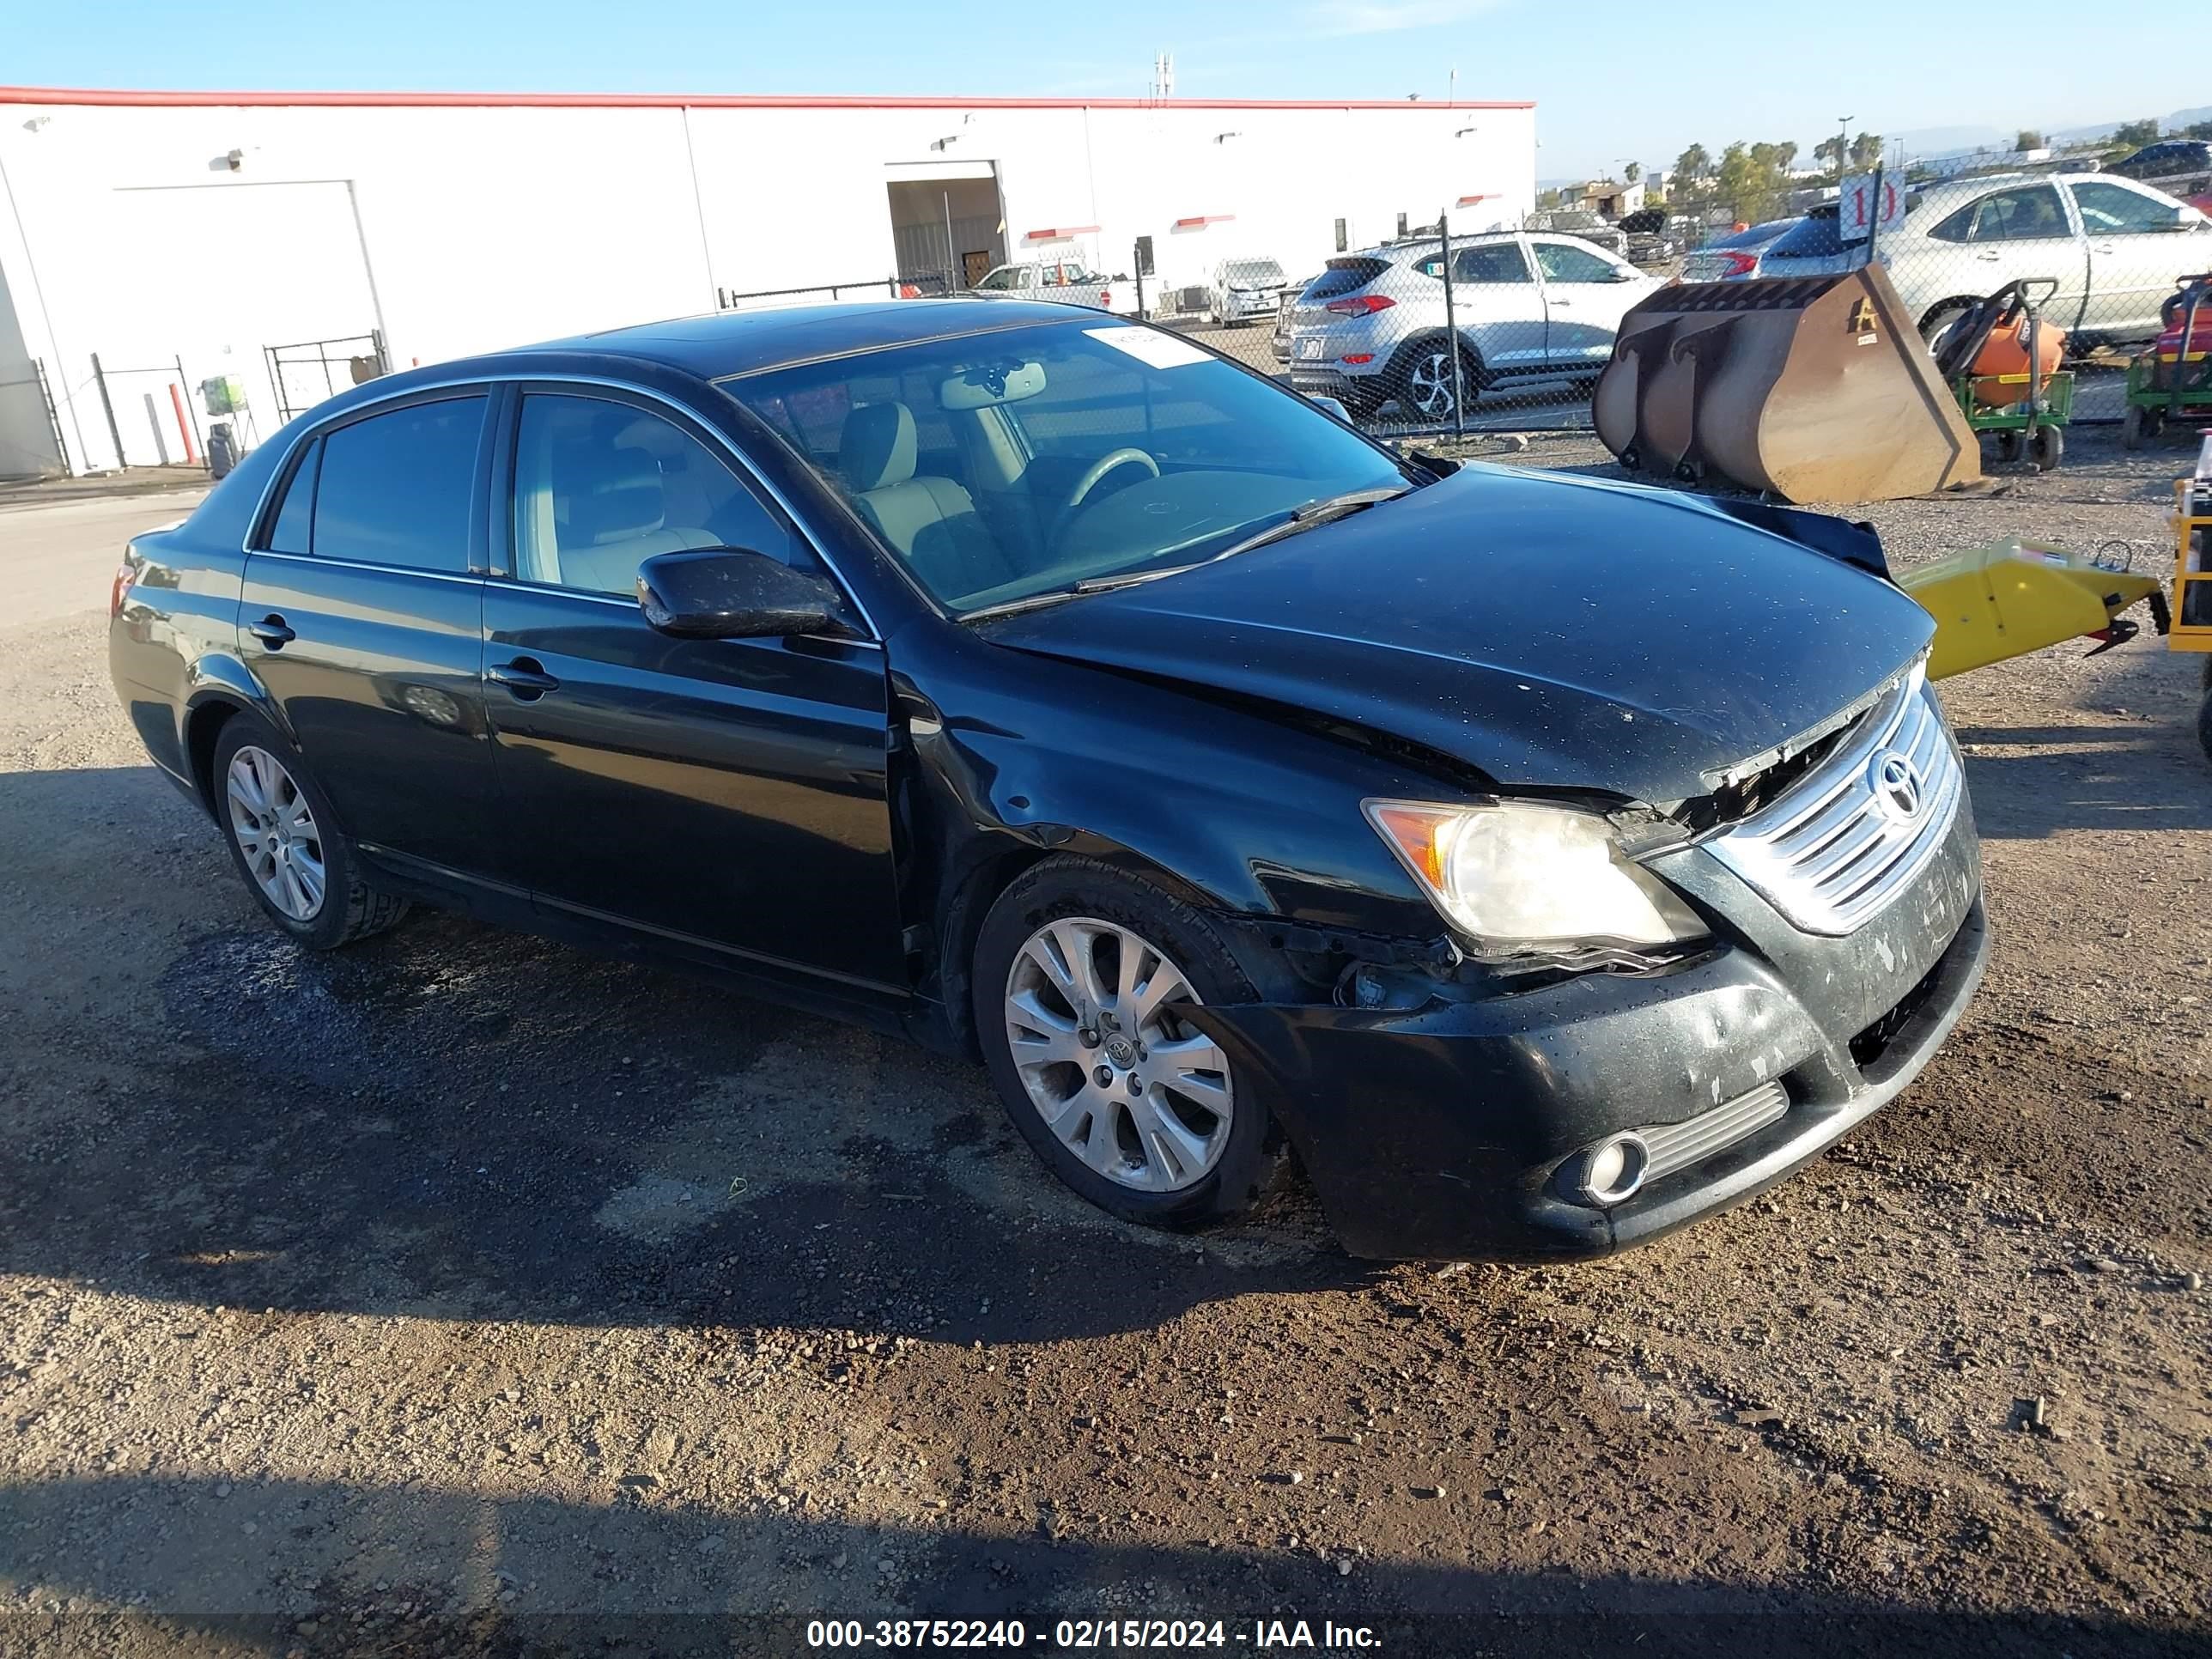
463	1293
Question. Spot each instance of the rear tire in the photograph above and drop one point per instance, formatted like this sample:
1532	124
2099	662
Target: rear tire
2049	449
2131	427
1422	376
286	842
1218	1153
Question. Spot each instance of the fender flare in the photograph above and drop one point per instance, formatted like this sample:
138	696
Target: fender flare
216	686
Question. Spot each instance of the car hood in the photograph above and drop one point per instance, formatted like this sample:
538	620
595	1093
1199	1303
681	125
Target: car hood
1550	632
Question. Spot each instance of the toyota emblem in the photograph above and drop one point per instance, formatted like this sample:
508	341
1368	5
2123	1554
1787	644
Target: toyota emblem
1897	785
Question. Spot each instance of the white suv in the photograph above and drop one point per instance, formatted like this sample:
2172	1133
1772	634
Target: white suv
1527	305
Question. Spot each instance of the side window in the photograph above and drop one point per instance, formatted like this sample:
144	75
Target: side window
2030	213
395	488
290	533
1490	262
1563	263
2107	210
600	486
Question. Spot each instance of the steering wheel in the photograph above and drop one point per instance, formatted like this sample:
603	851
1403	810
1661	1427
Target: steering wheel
1099	468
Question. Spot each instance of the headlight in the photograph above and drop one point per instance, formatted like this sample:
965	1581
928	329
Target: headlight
1522	878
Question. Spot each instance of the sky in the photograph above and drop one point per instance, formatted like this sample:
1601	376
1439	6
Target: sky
1611	81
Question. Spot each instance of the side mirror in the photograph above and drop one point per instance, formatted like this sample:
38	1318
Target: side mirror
735	593
1323	400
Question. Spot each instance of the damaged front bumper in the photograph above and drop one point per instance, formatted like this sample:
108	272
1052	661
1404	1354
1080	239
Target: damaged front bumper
1453	1128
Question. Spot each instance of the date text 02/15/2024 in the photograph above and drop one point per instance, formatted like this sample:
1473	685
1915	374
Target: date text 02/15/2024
1262	1636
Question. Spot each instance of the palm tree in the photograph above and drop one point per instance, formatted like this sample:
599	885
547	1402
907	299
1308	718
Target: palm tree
1692	164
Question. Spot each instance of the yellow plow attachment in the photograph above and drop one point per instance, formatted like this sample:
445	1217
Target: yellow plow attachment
2011	598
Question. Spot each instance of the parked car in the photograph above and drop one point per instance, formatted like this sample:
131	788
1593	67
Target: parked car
1075	698
2115	248
1527	305
1653	235
1734	255
1063	282
1583	224
1242	291
2170	161
1285	310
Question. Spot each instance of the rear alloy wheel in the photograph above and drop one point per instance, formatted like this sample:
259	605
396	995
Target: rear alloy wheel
286	841
275	828
1428	382
1084	982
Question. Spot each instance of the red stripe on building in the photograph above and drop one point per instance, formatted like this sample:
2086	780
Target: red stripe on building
133	98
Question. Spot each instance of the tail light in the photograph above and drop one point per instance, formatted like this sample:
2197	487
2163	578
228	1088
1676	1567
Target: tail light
1360	305
119	589
1740	264
1105	296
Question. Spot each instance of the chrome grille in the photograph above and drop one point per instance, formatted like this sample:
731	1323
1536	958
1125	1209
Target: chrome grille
1677	1146
1837	847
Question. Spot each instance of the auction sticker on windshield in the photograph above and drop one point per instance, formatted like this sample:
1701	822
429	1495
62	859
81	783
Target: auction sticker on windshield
1149	345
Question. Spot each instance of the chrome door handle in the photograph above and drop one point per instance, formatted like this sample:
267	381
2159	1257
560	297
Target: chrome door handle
525	677
271	632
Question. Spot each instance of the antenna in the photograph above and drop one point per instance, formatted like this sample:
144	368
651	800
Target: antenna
1162	75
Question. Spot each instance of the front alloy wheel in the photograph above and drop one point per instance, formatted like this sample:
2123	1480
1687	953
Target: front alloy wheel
1139	1095
278	839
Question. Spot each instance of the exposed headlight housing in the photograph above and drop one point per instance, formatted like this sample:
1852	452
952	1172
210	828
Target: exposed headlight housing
1527	878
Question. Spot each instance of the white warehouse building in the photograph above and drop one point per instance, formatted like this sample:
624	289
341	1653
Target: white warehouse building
179	237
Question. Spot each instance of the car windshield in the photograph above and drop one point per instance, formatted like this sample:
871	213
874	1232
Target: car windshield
998	281
1004	466
1256	273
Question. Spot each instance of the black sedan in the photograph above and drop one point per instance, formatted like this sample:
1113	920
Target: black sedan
1544	862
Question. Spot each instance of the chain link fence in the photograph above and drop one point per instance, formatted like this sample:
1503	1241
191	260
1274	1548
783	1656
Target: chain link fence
1437	331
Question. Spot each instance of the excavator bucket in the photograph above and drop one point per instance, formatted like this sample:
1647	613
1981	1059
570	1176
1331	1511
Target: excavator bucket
2011	598
1813	389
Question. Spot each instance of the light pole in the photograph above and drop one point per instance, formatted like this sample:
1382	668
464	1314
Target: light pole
1842	148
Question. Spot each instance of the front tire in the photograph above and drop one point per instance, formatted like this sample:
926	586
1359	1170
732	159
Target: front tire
1079	971
286	843
1938	322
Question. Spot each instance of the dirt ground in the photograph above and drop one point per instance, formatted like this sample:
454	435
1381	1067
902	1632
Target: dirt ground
460	1293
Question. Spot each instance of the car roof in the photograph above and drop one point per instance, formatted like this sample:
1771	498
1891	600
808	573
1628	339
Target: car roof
718	345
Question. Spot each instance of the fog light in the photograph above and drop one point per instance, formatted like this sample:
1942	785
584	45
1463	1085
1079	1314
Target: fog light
1613	1169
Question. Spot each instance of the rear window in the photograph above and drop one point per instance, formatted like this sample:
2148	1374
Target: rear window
1766	233
1343	276
1817	235
1262	273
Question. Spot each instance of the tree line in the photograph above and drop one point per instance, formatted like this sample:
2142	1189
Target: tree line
1754	179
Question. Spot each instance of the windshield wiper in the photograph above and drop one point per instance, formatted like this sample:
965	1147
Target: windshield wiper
1304	516
1072	590
1322	510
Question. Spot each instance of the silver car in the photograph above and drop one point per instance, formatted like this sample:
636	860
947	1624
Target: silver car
2115	248
1245	290
1735	256
1529	306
